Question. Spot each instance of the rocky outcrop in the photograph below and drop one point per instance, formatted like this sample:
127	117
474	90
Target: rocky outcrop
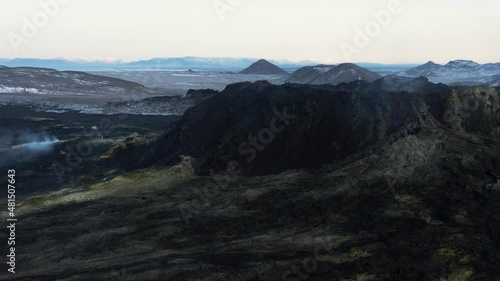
169	105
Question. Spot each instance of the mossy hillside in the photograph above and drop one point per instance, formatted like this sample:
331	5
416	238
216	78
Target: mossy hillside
127	185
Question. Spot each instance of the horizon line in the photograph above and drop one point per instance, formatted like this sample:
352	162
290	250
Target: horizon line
120	61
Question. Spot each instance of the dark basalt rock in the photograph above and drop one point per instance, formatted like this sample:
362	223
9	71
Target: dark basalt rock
410	192
200	95
169	105
329	123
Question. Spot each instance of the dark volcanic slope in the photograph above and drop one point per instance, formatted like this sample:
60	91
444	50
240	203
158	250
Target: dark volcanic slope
394	83
41	81
330	124
263	67
308	73
411	192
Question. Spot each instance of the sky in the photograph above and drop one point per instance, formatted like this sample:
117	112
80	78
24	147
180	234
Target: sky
328	31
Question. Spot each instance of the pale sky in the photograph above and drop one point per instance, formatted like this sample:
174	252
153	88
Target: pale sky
127	30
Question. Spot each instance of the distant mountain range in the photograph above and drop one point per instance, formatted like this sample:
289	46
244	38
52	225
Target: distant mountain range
334	75
165	64
457	71
182	64
263	67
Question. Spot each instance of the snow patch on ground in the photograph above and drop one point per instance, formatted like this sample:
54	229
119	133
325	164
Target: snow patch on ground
20	90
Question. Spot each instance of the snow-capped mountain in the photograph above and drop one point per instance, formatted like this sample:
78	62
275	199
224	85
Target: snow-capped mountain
308	73
453	71
428	69
327	74
462	65
41	81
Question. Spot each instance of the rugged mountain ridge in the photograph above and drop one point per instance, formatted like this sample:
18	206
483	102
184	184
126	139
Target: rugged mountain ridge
330	123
